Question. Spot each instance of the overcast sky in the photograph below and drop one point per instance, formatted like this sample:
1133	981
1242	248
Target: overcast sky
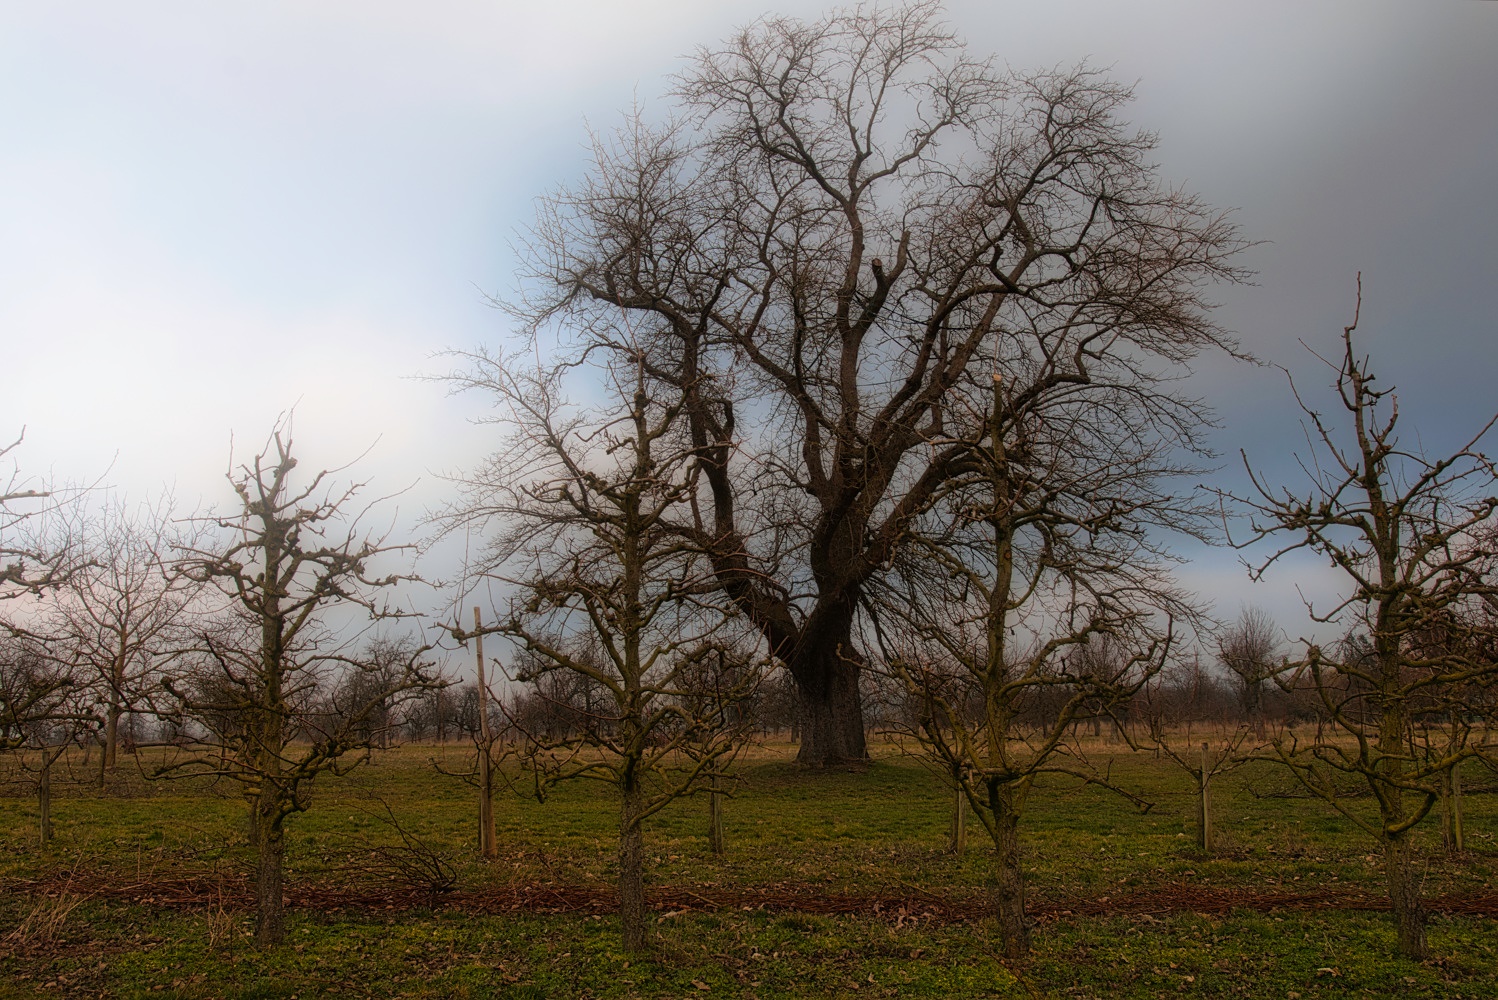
210	213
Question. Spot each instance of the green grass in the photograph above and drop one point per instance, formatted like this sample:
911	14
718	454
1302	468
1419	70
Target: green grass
883	831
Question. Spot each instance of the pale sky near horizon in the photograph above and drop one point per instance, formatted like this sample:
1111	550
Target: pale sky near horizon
212	213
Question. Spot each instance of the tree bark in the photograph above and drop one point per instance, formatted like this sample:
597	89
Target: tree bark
1389	772
1009	890
111	742
1404	894
1253	698
826	675
270	916
631	869
488	842
252	819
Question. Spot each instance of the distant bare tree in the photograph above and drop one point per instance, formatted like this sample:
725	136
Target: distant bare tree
1185	694
429	716
283	564
1250	650
1414	538
364	701
44	710
777	708
549	703
119	616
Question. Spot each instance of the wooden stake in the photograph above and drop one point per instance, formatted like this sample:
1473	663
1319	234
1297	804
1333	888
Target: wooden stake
44	795
488	847
1456	808
959	819
714	816
1455	836
1206	802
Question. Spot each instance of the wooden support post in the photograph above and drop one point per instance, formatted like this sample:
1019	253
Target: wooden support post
488	847
1459	835
1451	812
1205	792
44	795
959	817
714	815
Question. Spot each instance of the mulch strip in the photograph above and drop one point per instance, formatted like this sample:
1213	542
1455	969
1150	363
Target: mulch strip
197	892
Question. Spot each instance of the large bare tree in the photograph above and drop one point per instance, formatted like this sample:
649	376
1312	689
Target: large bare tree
119	616
842	221
1250	650
273	701
1414	538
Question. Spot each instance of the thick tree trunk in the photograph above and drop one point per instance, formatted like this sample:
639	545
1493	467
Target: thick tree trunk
1404	893
831	709
270	916
110	756
488	842
1253	706
631	871
1389	772
1009	889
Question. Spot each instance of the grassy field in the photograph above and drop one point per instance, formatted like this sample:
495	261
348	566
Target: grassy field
75	920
